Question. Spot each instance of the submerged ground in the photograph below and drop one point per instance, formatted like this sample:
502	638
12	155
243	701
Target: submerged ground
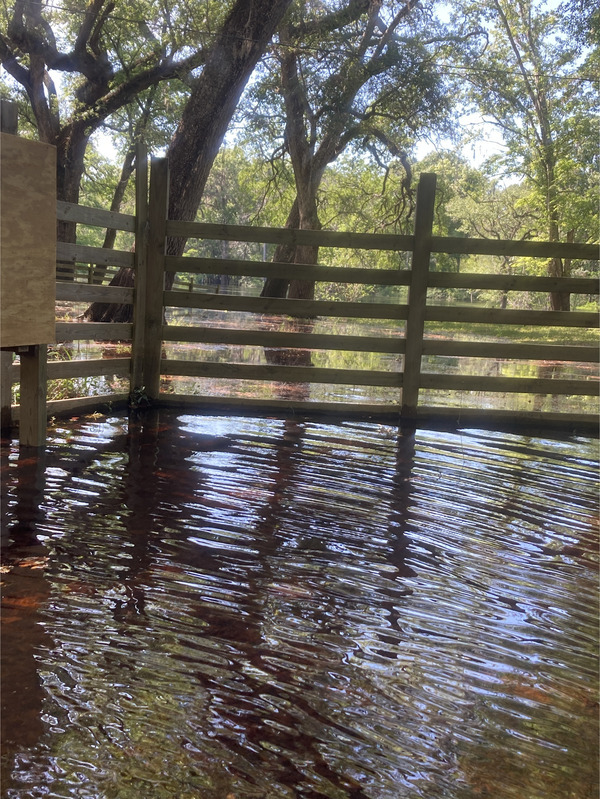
225	608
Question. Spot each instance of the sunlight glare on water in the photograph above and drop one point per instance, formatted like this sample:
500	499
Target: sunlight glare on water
224	608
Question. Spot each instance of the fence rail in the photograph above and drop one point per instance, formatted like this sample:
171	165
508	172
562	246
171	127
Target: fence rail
147	368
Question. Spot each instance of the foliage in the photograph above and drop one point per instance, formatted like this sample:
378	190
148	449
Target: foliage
530	78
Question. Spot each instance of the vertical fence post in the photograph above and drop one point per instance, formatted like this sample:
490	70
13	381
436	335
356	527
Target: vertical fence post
417	294
32	410
155	273
8	124
141	241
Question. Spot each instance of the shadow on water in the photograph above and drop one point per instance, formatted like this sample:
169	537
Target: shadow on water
24	589
228	607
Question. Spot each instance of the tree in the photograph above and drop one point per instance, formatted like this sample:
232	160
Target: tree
530	80
113	54
242	39
359	75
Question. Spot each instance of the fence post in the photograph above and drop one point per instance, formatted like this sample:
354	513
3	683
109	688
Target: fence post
32	408
141	243
417	294
8	124
155	273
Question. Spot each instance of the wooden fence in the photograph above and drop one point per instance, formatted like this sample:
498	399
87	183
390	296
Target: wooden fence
146	367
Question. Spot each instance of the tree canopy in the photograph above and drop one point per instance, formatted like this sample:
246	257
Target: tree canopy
300	84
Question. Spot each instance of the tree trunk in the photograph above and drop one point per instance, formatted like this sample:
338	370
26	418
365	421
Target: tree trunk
284	254
136	135
206	117
99	271
70	151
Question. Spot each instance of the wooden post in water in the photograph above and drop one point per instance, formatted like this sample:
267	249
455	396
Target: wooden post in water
32	411
139	295
155	273
417	294
8	124
28	272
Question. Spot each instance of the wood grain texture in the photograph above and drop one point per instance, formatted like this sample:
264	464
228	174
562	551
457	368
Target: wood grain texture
93	331
505	350
381	241
82	254
94	217
155	274
84	292
329	274
140	288
32	420
417	293
283	374
519	385
28	232
267	338
285	307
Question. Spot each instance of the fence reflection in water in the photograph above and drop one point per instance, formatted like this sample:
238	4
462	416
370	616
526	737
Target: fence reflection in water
270	607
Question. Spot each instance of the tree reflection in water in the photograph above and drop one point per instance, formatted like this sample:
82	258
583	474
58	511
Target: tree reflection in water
278	607
285	356
24	590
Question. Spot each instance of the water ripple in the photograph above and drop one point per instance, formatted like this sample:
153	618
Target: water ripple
228	608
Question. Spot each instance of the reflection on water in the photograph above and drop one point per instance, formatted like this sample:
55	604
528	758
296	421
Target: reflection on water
226	607
368	362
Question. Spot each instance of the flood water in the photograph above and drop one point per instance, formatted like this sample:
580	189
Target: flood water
226	608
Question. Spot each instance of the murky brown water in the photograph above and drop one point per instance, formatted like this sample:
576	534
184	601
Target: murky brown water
218	607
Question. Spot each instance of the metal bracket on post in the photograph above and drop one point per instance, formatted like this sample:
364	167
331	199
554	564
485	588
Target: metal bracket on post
417	295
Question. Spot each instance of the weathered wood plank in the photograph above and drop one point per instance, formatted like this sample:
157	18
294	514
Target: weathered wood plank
93	331
534	352
99	403
473	280
6	380
521	385
81	254
140	289
342	410
329	274
155	273
417	293
9	117
319	238
531	249
33	386
265	338
94	217
102	402
379	241
28	236
438	313
276	307
282	374
58	370
83	292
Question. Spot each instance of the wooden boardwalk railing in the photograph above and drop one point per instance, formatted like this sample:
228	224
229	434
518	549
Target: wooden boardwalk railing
147	367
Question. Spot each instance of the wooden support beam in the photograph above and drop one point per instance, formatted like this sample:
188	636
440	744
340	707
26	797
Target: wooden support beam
6	420
155	274
139	296
32	415
417	294
8	117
